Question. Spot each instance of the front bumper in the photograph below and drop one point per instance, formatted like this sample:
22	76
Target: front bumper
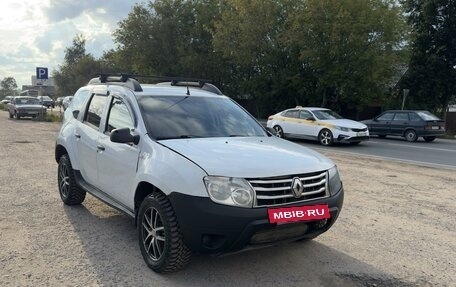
213	228
30	113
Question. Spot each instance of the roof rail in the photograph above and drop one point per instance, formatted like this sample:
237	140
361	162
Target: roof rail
131	82
126	80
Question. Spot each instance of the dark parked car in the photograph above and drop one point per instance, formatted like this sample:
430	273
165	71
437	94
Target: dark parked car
409	124
25	107
46	101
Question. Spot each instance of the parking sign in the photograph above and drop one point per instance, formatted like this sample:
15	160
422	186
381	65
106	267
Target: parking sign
41	73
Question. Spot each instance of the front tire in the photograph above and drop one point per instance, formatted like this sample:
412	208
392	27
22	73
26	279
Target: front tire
429	139
410	135
70	192
278	131
160	240
325	137
10	115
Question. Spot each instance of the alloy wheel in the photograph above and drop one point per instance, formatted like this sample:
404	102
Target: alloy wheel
64	180
326	137
153	233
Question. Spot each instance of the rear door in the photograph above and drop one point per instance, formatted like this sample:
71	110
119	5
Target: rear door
117	162
399	123
87	133
289	122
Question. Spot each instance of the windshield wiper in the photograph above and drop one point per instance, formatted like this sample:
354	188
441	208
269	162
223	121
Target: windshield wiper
177	137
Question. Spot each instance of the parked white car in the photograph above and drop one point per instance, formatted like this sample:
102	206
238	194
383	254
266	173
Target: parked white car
196	172
320	124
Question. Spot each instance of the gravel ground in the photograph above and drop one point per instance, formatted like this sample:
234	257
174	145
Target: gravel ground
397	228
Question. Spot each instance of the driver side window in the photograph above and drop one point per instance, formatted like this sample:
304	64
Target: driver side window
118	116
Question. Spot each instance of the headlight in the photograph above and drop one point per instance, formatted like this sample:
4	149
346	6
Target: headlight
229	191
343	129
334	180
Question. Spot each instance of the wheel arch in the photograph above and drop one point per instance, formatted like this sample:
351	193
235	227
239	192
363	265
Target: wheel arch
409	129
143	190
59	151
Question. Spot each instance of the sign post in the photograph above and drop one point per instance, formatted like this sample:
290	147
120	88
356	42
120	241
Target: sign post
41	74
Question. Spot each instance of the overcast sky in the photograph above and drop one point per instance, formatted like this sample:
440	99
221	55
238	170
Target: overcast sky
35	33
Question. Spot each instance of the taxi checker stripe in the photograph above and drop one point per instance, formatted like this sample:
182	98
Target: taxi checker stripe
304	121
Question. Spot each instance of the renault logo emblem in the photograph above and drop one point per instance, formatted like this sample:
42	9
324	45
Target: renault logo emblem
297	187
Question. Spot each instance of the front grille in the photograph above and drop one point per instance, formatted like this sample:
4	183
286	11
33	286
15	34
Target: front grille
359	130
277	190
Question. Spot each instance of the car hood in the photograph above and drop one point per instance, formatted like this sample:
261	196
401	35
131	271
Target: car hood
249	157
346	123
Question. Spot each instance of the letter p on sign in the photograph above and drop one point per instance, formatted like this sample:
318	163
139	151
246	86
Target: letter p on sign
41	73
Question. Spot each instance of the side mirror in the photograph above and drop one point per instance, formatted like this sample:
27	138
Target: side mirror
124	136
311	119
75	114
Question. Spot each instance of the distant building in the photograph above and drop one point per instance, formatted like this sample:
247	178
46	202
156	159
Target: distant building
45	87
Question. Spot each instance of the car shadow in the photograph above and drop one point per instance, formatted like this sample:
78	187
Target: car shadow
109	241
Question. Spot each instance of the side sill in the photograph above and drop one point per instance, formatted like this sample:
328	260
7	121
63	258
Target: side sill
101	195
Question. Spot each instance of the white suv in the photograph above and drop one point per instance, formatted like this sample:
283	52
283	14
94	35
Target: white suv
196	171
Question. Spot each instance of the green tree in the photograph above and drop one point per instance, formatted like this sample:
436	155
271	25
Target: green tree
260	64
168	37
77	69
350	47
431	77
8	87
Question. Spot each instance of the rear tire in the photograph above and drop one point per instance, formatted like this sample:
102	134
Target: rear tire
410	135
278	131
325	137
70	192
160	240
429	139
10	115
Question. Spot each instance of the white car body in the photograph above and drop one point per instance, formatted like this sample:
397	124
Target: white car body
189	175
305	123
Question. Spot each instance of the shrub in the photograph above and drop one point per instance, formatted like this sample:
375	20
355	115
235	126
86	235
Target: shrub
49	117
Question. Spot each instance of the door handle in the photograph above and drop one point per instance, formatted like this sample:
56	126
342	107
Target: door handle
78	136
100	147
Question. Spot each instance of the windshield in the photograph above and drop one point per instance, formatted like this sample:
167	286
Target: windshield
27	101
427	116
326	115
171	117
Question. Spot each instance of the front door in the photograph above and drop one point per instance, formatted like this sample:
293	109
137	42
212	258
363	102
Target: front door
381	124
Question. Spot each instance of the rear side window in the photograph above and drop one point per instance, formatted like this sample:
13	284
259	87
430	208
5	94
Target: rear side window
386	117
401	117
95	110
291	114
79	99
414	117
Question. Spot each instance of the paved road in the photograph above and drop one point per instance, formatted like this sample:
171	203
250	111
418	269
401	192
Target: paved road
441	153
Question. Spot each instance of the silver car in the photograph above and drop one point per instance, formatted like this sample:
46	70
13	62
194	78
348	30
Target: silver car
25	107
